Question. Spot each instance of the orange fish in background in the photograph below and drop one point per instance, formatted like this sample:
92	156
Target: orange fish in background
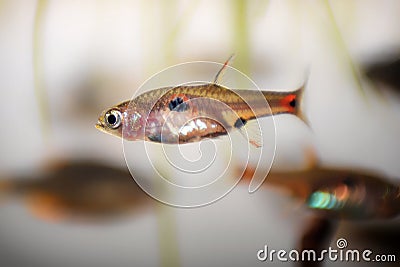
193	114
338	193
79	190
385	72
333	194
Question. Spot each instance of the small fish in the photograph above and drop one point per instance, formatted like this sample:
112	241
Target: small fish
339	193
78	191
190	113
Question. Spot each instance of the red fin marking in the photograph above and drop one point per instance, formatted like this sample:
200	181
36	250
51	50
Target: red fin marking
289	102
182	96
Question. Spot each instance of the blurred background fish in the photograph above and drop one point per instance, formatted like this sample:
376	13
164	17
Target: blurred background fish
339	193
385	72
335	195
80	190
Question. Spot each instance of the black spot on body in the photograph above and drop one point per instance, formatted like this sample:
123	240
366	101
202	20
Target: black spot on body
177	104
155	138
293	103
240	122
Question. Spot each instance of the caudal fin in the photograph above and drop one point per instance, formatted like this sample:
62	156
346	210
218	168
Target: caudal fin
288	102
298	108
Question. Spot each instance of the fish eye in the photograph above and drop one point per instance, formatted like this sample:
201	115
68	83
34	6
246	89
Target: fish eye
113	118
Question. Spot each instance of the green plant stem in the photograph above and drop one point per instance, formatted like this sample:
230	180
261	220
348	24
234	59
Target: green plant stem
38	69
344	50
241	35
169	252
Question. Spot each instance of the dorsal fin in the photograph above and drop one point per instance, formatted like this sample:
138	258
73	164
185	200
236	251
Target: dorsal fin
250	130
221	72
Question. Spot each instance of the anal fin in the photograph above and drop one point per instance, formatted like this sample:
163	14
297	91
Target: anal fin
251	131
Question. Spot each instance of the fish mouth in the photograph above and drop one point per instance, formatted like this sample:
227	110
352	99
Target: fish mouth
99	126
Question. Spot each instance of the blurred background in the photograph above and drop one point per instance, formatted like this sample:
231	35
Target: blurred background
67	198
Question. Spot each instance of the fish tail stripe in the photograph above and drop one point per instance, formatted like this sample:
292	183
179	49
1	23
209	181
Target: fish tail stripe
287	102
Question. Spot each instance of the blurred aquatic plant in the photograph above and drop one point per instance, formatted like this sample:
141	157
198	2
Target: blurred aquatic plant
38	67
168	236
166	222
172	32
241	34
343	50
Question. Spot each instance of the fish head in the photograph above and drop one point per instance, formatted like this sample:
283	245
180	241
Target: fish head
123	120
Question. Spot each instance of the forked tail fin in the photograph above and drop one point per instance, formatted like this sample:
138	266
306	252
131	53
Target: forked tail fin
298	109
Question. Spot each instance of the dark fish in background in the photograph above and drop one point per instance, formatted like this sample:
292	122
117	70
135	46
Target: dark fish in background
387	72
80	189
339	193
335	195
